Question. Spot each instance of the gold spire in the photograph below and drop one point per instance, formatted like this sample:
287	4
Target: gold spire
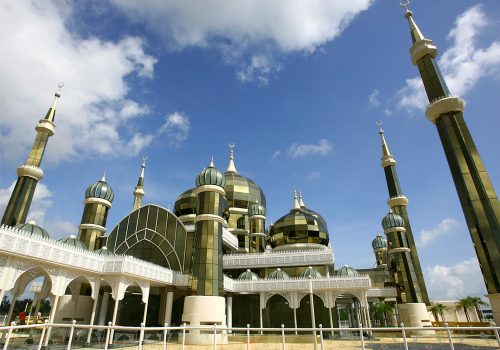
211	165
52	110
103	179
385	148
295	201
231	168
301	202
139	189
416	34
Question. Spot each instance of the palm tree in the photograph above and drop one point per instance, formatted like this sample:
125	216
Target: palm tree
381	310
466	303
477	302
439	309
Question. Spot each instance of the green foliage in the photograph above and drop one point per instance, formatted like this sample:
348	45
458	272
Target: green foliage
438	309
381	310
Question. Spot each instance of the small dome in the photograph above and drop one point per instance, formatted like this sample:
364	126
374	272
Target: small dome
211	176
186	203
71	240
347	271
257	209
34	229
100	189
104	251
310	272
248	276
279	274
392	220
379	242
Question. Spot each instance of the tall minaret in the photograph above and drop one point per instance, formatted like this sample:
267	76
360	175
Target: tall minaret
476	193
139	189
30	173
398	202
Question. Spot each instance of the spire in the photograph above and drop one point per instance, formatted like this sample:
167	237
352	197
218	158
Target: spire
295	201
231	168
211	165
385	148
416	34
139	189
103	179
301	202
52	110
140	182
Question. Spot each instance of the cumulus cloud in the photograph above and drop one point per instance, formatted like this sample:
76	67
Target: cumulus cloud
275	155
444	228
373	99
250	34
42	200
95	114
297	150
176	127
456	281
463	64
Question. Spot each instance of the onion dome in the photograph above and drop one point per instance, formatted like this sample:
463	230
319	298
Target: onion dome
392	220
310	272
298	227
347	271
186	203
248	276
312	212
100	189
73	241
379	242
104	251
256	209
279	274
210	176
32	228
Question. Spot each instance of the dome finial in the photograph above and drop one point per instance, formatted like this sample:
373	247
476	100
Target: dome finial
416	34
301	201
405	4
211	165
385	148
52	110
295	201
230	166
103	179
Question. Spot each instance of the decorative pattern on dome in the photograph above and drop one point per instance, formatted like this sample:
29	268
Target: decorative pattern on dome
298	226
347	271
100	189
33	229
186	203
257	209
379	242
248	276
310	272
210	176
242	192
279	274
73	241
392	220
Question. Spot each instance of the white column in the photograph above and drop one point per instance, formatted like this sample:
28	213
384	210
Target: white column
145	314
295	319
51	319
104	309
168	307
113	322
11	308
331	318
92	317
261	301
229	312
313	318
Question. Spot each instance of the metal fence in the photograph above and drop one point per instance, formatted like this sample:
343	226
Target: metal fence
77	336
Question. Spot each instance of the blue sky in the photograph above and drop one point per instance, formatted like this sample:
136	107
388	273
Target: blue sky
297	87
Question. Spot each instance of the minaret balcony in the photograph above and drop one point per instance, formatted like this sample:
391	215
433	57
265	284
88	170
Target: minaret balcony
399	250
388	161
28	170
47	126
421	48
444	105
399	201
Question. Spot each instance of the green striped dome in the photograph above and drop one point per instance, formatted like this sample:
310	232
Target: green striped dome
257	209
186	203
379	242
347	271
73	241
101	190
104	251
310	272
248	276
392	220
33	229
211	176
279	274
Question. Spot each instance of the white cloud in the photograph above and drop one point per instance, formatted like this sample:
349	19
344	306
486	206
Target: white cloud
463	64
302	150
95	114
250	34
177	127
42	200
373	99
445	227
275	155
456	281
313	176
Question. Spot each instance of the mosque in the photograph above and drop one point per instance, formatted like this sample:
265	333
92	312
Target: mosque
213	259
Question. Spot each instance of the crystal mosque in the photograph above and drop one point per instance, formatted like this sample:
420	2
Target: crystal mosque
214	259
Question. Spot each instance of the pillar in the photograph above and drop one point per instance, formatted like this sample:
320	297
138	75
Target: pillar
104	309
168	307
229	312
51	319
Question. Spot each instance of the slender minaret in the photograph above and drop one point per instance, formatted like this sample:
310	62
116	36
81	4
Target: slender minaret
379	245
139	189
98	199
476	193
30	173
398	202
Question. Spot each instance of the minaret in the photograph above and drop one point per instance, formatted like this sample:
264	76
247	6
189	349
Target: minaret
257	220
379	245
476	193
30	173
98	199
207	305
398	202
301	201
139	189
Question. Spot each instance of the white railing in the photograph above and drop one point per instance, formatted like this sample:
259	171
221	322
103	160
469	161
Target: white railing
279	259
69	335
229	240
